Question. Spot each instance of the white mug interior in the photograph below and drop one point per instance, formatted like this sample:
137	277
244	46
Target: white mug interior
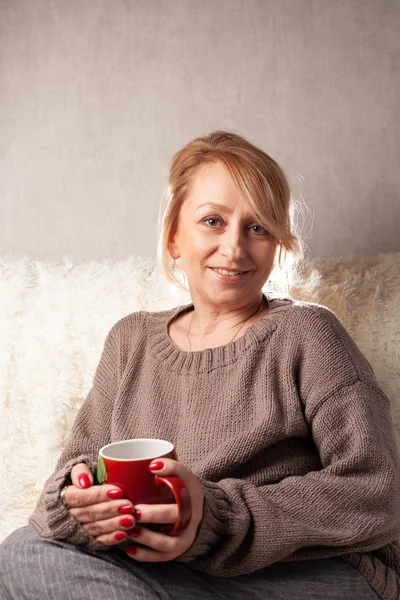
137	449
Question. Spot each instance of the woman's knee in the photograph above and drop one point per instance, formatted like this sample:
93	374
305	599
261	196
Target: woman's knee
13	567
12	546
33	567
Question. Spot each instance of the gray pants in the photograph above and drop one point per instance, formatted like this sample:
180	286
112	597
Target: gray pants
33	568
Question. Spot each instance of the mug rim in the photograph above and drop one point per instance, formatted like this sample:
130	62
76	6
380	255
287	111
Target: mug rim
157	455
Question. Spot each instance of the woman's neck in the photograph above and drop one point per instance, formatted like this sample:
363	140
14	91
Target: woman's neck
208	321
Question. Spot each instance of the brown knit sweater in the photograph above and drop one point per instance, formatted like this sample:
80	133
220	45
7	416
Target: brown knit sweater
286	428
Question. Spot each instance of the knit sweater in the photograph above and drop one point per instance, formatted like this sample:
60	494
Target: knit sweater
286	428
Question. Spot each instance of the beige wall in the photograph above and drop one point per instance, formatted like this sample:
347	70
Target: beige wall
95	96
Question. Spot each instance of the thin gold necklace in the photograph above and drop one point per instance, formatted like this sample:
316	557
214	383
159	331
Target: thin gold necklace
236	334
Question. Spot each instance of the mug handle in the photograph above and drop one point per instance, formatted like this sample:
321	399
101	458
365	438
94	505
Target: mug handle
182	499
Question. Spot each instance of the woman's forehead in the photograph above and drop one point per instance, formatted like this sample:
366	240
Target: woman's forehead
214	185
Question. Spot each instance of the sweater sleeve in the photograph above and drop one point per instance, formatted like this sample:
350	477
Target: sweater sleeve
90	431
352	504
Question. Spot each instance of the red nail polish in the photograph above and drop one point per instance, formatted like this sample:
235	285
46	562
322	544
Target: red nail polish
134	532
120	536
137	515
126	510
131	550
156	465
115	494
126	522
84	480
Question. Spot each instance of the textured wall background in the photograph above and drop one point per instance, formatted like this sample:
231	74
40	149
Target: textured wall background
95	96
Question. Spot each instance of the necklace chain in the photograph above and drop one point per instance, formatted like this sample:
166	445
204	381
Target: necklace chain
237	332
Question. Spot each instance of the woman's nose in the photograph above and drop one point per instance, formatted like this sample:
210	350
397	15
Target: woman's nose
233	245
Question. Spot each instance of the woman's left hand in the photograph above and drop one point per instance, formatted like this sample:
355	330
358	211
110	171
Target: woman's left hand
151	546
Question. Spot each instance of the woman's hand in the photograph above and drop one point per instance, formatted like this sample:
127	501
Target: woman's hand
159	547
100	509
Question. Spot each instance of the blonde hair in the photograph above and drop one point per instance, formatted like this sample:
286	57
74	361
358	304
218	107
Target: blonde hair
259	178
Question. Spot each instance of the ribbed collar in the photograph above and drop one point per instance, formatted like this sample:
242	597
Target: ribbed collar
200	361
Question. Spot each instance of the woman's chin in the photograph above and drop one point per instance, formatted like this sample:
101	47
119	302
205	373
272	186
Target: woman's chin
224	296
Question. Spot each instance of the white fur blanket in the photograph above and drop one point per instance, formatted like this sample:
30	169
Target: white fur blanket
54	318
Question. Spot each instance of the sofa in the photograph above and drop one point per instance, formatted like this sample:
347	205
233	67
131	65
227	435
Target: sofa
54	317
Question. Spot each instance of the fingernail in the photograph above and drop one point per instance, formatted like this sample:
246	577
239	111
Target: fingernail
126	522
84	480
137	515
115	494
131	550
156	466
134	532
120	536
126	510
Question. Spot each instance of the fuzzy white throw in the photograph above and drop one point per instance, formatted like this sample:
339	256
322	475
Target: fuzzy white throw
54	318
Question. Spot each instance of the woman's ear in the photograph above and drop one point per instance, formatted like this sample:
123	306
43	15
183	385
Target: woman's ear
173	247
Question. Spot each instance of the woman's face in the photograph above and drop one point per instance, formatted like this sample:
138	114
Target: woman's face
226	255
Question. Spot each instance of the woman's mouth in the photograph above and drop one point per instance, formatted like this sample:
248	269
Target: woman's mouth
228	274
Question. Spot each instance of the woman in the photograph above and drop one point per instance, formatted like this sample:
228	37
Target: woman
284	438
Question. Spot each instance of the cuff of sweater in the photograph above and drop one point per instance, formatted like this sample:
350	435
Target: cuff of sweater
214	524
55	520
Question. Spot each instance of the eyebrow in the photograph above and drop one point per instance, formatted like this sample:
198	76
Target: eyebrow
214	206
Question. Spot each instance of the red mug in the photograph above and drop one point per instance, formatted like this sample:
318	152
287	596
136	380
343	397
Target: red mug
126	465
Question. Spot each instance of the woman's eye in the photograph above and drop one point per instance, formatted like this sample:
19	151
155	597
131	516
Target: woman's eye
258	229
212	221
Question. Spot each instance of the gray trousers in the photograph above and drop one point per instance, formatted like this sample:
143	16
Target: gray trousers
33	568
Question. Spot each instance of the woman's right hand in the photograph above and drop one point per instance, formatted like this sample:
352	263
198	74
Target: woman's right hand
100	509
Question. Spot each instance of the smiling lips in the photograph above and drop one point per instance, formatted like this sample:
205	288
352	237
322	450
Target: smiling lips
228	272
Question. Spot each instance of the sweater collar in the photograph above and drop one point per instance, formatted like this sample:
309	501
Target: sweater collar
200	361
